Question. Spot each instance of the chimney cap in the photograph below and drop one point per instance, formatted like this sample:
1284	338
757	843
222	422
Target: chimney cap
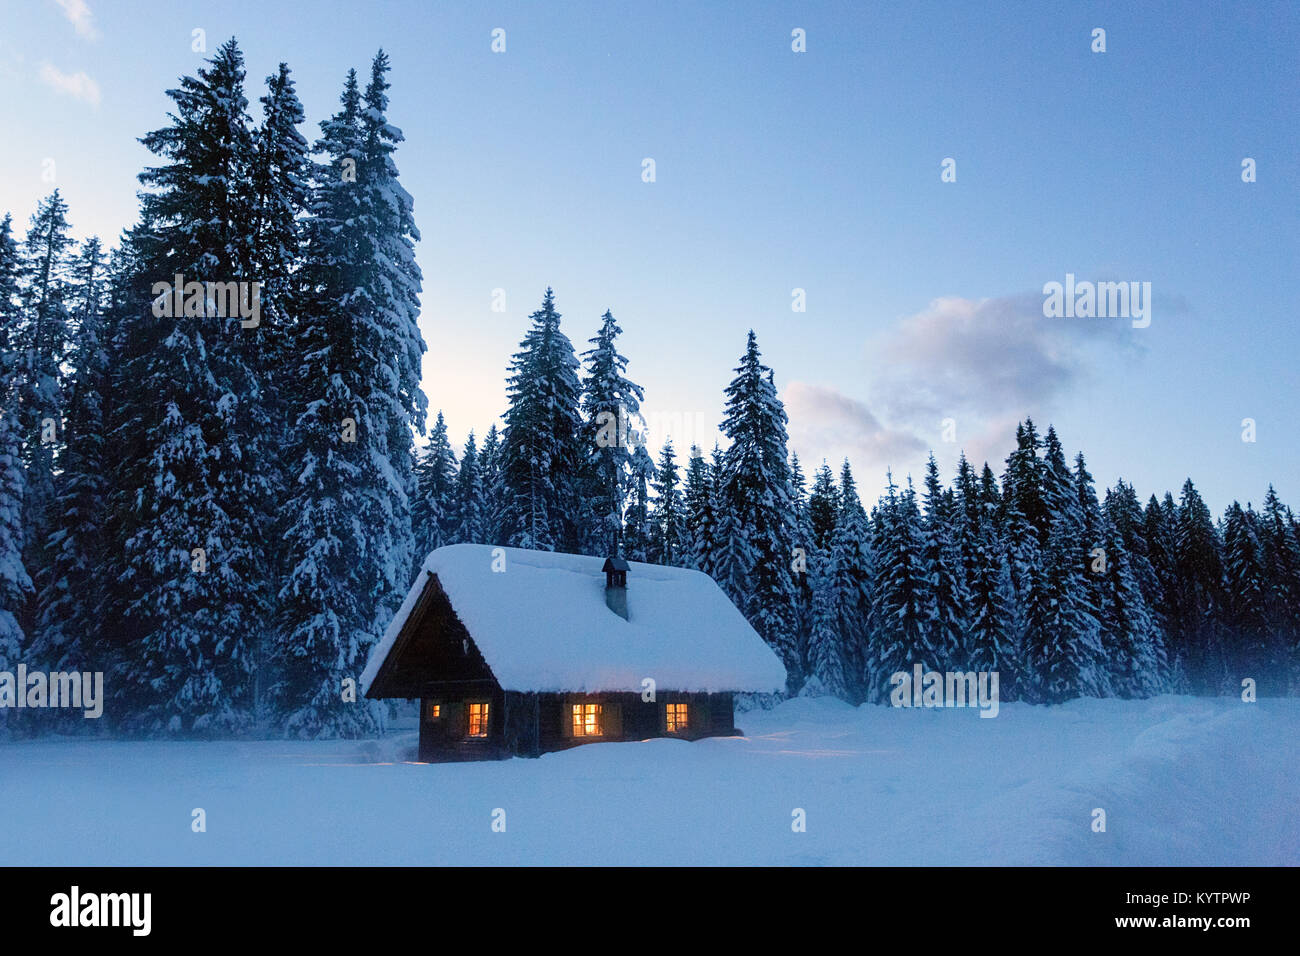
614	564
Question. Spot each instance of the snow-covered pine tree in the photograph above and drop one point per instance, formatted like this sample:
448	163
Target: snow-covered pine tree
128	335
990	644
801	538
1248	644
1122	508
347	520
637	532
700	520
280	174
1022	487
194	577
825	659
823	507
493	493
947	600
967	511
850	567
15	583
1281	554
667	519
898	611
1130	634
1090	533
42	337
754	484
731	556
469	503
1066	655
391	286
611	435
541	449
433	511
71	588
1022	482
1198	600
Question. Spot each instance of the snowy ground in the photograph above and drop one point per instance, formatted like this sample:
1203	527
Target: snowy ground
1182	780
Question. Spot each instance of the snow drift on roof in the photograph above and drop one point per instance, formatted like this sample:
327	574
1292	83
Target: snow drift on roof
542	625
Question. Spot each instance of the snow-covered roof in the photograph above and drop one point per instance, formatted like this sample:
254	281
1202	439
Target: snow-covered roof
542	624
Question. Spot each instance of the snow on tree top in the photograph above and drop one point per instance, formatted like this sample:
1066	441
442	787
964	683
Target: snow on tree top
541	623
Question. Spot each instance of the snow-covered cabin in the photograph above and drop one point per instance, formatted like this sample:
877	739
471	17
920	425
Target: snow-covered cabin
515	652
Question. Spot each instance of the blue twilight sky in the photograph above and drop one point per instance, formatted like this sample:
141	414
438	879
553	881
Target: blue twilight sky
778	170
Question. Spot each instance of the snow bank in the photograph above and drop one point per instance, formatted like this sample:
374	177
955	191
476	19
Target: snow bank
1184	781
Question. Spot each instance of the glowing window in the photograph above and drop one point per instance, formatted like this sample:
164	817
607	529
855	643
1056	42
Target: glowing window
432	711
676	718
586	720
478	720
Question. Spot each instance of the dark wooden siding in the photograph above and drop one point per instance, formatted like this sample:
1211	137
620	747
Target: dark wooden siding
530	724
447	737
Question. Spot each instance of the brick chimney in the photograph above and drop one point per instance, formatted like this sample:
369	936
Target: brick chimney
616	586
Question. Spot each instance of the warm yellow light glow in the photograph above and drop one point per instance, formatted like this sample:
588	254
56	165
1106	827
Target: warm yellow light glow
586	720
676	718
478	720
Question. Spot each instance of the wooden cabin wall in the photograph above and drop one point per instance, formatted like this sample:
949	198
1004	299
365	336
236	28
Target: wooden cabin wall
530	724
628	717
444	738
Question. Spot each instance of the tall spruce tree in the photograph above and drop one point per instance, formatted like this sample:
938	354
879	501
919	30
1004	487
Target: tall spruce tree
947	600
42	337
898	606
990	645
667	521
700	519
470	514
1281	555
493	492
71	587
15	583
391	286
823	506
1197	606
1063	632
541	449
280	175
825	658
348	519
433	512
611	436
1245	588
754	487
1130	634
850	585
638	532
194	581
801	538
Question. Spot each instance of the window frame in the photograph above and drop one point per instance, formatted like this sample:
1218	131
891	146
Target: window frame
486	720
433	710
674	724
578	727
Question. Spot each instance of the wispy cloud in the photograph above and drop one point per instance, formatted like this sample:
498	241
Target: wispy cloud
77	85
79	14
984	363
825	423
